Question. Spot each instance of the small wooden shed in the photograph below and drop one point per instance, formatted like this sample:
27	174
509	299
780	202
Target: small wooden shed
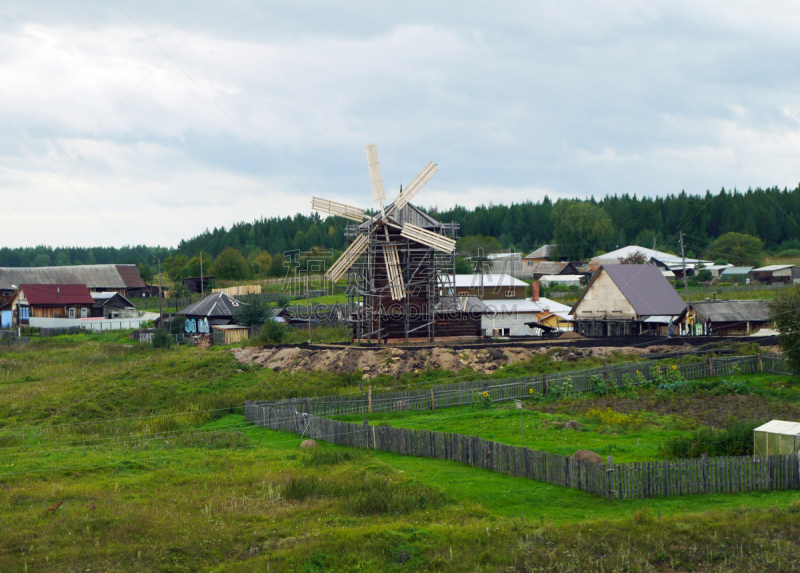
776	437
230	333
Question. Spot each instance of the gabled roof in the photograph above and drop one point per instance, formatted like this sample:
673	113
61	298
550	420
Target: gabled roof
56	294
218	304
665	258
644	287
770	268
408	214
471	304
732	310
780	427
93	276
104	298
543	252
550	267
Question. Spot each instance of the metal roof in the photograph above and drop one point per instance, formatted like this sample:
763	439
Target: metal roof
780	427
665	258
511	306
644	287
550	267
489	280
56	294
93	276
471	304
543	252
733	310
737	270
218	304
769	268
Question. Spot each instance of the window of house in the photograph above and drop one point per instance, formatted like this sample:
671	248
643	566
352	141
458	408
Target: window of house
72	312
463	293
84	312
510	294
24	312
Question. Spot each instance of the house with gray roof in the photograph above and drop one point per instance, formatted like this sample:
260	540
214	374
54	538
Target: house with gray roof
123	279
620	298
217	308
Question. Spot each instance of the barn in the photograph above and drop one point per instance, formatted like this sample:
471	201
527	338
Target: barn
620	298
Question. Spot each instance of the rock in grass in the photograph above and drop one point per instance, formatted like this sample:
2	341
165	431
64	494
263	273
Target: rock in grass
572	425
589	456
308	444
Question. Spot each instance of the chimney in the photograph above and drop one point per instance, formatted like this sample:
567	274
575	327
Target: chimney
535	291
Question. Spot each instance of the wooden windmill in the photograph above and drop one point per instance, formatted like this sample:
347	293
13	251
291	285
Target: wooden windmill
395	261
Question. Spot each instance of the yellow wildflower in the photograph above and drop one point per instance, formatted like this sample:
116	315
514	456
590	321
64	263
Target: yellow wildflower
485	394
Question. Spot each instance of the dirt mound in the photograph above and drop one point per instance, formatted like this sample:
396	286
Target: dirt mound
589	456
396	361
308	444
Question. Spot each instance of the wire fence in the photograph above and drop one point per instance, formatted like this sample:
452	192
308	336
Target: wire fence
541	385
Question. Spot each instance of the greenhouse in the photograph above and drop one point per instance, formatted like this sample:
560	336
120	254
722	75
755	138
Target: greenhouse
776	437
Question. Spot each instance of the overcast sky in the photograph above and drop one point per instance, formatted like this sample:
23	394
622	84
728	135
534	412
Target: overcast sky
146	122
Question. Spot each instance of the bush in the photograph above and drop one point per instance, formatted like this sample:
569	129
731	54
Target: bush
789	253
161	339
273	332
734	440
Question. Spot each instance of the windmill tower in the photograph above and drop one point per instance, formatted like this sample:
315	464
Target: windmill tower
398	264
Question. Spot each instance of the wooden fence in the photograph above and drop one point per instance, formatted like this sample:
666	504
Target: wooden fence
617	481
545	385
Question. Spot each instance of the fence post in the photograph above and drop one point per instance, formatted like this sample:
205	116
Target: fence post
366	434
612	491
369	398
760	363
544	387
432	403
710	366
705	472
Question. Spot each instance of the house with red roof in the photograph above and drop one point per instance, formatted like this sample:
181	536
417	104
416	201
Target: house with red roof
51	301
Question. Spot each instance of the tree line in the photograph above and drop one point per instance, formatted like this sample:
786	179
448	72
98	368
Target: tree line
582	228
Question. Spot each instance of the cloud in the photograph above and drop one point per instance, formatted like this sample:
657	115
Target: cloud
263	106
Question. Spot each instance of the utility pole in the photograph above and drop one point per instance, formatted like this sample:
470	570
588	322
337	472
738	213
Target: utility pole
308	311
685	280
202	290
160	298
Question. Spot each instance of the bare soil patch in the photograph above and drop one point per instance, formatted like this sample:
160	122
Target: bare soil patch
396	361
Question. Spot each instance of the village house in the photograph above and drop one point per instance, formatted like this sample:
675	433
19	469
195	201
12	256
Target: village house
122	279
111	305
50	301
550	268
504	318
620	298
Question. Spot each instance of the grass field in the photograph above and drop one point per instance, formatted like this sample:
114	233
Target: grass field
156	470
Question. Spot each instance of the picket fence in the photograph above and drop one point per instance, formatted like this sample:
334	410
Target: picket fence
615	481
544	385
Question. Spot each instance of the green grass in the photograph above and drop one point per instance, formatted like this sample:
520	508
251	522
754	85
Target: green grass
176	488
642	440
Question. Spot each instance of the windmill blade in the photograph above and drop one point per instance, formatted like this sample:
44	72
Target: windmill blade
375	173
340	209
396	285
428	238
350	256
416	184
